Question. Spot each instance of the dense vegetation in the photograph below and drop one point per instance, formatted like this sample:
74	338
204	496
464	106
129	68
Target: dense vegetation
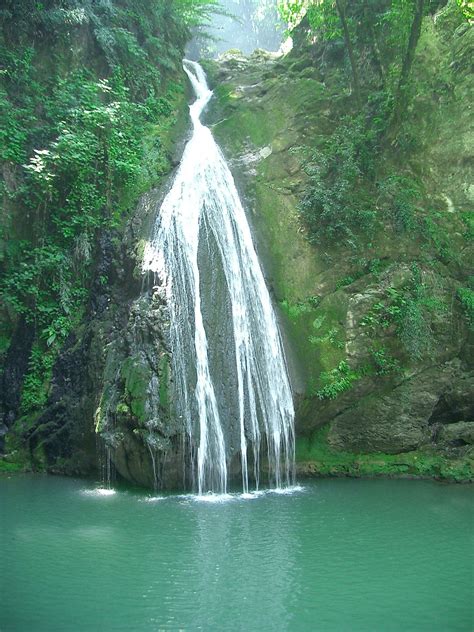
377	41
359	160
362	179
89	92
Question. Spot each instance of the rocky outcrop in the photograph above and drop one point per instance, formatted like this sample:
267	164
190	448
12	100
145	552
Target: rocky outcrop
400	420
456	434
15	367
377	381
116	383
109	406
134	417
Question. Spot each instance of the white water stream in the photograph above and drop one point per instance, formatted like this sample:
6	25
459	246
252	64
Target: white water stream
203	205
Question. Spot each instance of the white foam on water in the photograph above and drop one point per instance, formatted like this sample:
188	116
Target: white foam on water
286	491
154	499
252	495
213	498
99	492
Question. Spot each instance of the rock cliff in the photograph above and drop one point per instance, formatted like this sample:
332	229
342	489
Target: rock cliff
379	340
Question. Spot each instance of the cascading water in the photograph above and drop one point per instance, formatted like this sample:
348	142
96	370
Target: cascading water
246	399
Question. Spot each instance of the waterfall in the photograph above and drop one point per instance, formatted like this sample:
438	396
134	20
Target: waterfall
230	380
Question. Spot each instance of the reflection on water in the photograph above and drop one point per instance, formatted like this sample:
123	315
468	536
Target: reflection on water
250	569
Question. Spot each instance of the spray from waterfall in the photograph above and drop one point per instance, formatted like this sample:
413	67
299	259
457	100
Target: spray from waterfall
203	207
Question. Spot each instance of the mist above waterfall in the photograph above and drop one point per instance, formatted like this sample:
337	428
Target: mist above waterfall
243	24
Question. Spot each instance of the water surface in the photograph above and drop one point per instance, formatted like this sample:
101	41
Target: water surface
334	555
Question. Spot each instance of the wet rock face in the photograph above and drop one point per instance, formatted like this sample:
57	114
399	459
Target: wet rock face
456	403
16	365
113	383
134	416
64	431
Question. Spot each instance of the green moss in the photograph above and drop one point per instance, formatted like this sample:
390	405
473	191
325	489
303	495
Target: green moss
247	125
315	457
211	68
226	94
39	459
270	120
318	336
16	457
277	222
294	311
7	466
122	409
302	92
466	296
137	377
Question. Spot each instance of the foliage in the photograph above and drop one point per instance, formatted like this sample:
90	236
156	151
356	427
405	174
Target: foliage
292	11
384	362
351	188
398	194
467	9
343	377
379	40
72	138
380	25
240	24
329	207
395	22
295	310
7	467
321	16
35	386
331	337
196	12
407	310
347	280
337	381
466	296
